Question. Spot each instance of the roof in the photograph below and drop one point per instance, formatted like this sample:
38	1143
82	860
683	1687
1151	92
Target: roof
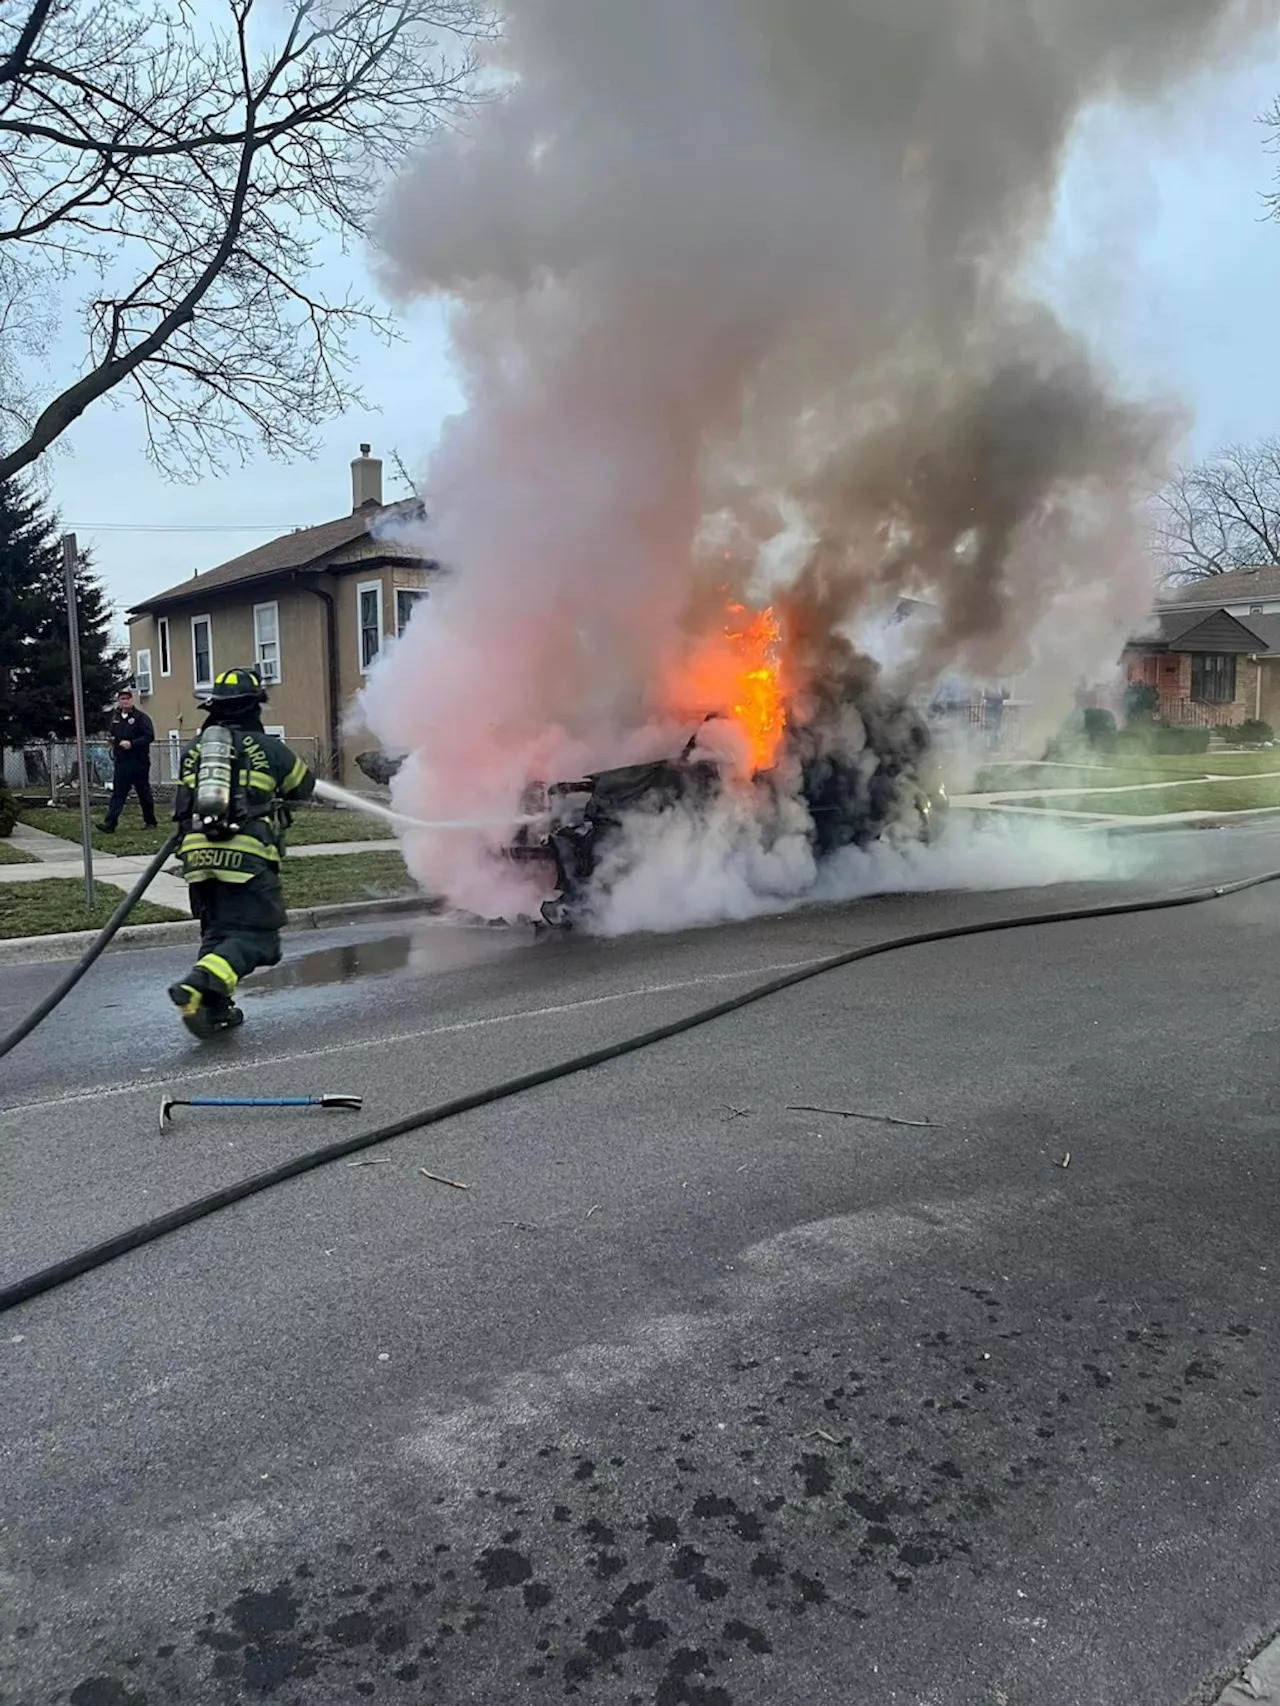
1171	625
1235	586
1212	630
306	548
1267	628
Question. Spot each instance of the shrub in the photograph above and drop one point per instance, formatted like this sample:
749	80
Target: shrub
8	812
1141	702
1100	730
1093	730
1252	732
1142	739
1167	737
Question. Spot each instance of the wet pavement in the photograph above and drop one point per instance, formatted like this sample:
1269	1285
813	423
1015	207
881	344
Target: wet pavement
692	1397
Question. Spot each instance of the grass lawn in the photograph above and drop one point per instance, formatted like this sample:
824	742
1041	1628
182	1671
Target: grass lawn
312	824
130	836
15	855
343	877
1017	779
46	908
1221	763
1159	767
1243	795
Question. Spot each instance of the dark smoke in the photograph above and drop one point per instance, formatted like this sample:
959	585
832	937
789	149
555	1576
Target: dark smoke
986	500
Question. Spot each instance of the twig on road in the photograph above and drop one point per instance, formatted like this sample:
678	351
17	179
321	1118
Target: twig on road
1066	1160
852	1114
594	1209
457	1186
735	1113
370	1161
821	1433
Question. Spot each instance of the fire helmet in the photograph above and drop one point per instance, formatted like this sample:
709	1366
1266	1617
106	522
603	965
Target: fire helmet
236	686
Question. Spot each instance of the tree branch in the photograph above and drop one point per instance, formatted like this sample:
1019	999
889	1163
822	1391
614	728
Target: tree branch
14	64
1221	514
196	178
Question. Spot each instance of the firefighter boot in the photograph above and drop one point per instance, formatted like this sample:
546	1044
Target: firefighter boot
205	1006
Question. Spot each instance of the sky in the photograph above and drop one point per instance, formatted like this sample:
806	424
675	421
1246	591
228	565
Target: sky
1161	252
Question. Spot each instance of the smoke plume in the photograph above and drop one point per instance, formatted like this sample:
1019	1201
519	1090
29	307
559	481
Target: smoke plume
740	313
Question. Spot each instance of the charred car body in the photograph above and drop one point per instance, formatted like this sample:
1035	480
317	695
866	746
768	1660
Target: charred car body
856	785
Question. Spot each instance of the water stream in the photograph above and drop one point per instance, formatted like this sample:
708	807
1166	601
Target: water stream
371	808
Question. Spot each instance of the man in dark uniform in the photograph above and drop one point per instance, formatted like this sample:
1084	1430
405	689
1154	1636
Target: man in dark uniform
131	733
231	857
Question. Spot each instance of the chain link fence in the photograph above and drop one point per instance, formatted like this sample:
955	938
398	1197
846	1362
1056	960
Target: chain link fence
50	768
997	726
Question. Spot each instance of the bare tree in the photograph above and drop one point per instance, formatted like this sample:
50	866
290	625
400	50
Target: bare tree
406	479
1221	514
189	178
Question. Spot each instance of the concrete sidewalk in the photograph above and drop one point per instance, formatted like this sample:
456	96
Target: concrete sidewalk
164	890
50	849
57	857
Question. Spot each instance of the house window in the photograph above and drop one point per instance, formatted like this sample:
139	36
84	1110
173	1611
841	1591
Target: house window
202	652
1213	678
369	607
162	636
266	640
406	598
142	672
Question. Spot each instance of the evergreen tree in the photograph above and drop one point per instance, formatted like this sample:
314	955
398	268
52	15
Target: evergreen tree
35	663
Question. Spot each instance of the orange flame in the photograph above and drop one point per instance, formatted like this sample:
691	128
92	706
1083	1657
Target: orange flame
737	674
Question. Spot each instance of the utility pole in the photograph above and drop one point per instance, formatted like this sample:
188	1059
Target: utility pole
70	563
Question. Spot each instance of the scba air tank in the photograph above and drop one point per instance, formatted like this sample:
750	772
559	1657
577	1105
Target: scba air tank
214	778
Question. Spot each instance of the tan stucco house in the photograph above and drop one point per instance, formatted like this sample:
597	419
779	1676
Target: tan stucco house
312	611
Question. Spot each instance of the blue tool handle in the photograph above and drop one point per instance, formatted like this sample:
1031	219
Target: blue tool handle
253	1101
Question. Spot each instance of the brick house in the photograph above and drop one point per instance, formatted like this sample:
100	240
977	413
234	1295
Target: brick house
312	611
1214	660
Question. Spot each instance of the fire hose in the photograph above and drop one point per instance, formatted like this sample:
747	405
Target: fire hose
63	988
147	1232
65	985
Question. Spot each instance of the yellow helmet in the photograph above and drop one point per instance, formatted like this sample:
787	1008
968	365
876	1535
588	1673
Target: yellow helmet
244	684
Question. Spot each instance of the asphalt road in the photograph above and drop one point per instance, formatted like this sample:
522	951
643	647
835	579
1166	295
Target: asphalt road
690	1397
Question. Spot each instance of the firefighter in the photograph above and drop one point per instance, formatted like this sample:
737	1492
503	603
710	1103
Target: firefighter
131	733
235	787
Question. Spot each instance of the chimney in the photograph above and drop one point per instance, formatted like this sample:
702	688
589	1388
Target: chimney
366	481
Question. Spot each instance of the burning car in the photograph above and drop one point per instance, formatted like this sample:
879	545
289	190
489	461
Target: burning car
843	763
576	830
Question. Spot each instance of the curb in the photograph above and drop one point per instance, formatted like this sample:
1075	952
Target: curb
70	944
1224	820
353	911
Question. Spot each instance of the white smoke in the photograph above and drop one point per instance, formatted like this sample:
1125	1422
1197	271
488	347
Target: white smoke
740	312
682	869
